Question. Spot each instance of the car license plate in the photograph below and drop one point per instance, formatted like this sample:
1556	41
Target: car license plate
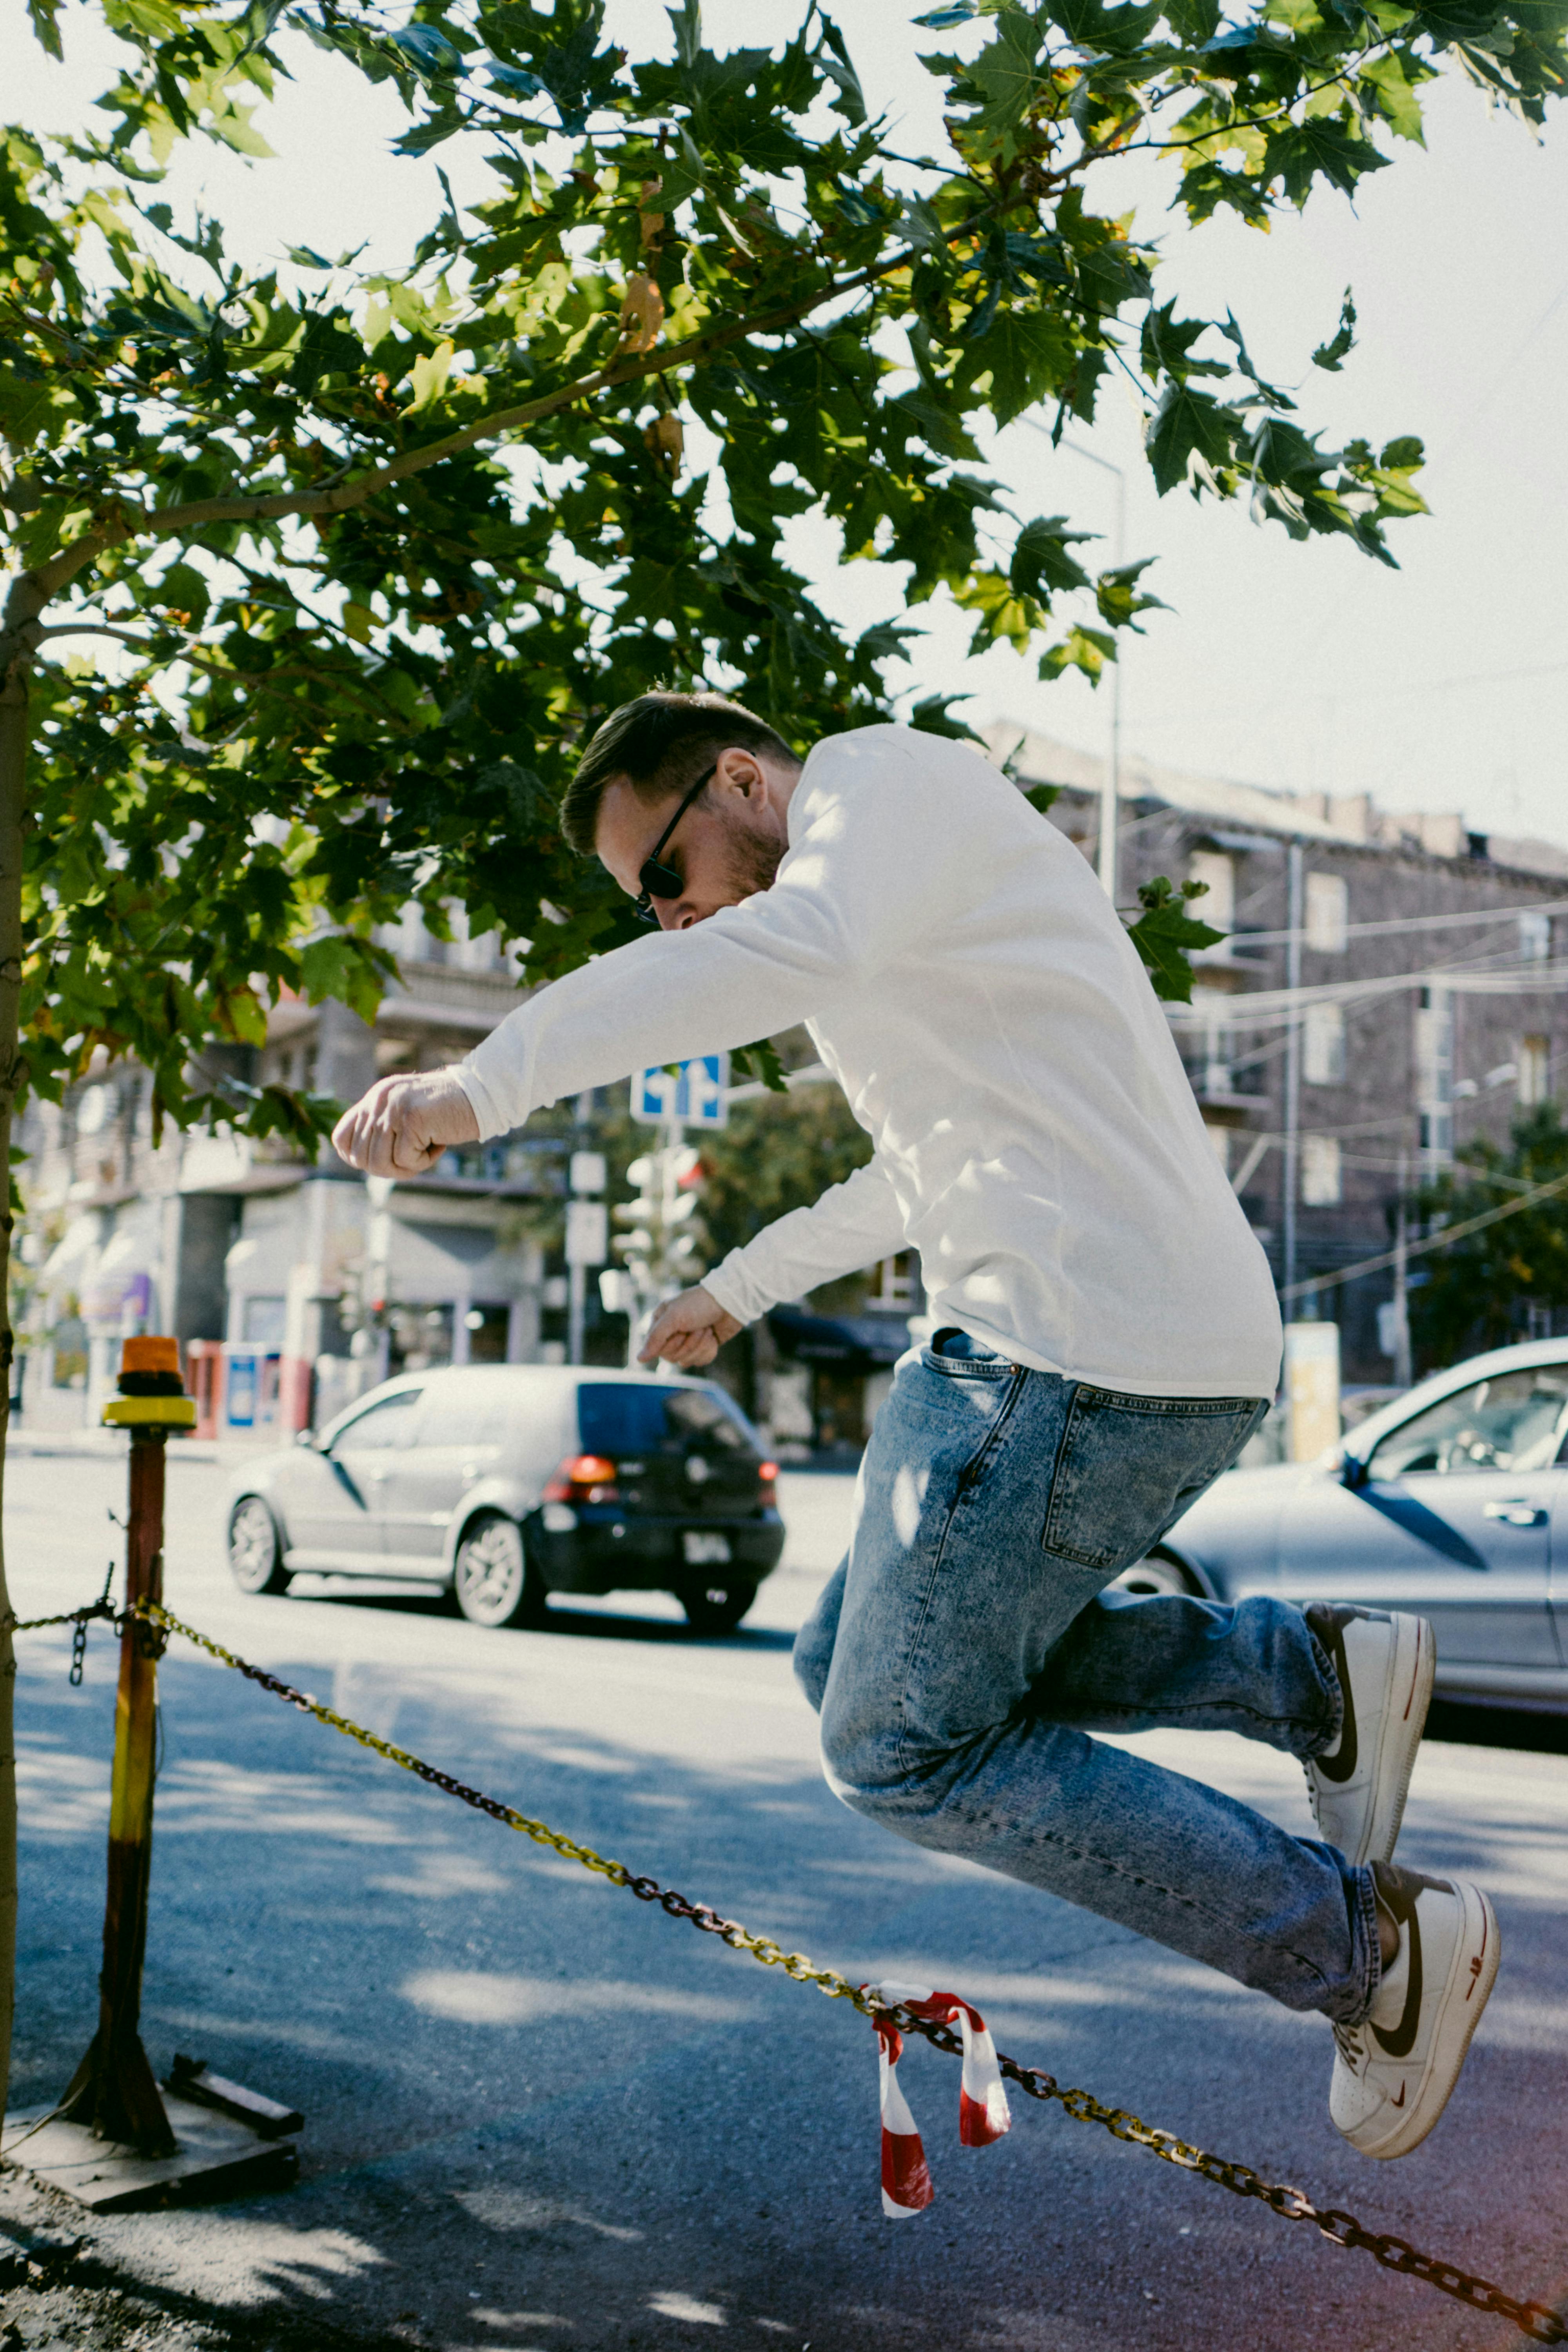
704	1551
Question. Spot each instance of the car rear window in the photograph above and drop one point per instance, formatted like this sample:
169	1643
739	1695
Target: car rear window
468	1413
627	1417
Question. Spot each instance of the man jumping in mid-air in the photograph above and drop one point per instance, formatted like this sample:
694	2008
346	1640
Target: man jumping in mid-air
1108	1340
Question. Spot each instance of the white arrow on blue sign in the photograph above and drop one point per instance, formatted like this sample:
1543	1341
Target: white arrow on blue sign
695	1095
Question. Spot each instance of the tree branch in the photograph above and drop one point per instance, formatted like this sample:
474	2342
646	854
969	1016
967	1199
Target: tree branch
90	629
177	522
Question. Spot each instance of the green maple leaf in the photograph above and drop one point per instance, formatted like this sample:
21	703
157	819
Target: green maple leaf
1330	354
1004	72
1166	935
1188	424
1027	355
1301	152
1040	559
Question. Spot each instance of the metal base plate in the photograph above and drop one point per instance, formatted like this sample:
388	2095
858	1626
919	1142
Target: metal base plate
213	2156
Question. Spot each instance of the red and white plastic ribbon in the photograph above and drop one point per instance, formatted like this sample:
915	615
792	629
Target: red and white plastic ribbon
982	2112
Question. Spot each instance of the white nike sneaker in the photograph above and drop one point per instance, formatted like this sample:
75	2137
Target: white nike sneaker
1393	2073
1384	1665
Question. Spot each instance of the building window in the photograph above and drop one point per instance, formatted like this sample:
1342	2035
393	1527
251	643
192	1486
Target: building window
1323	1045
95	1108
1534	1070
1328	913
1535	938
1320	1170
1212	1074
1214	868
893	1285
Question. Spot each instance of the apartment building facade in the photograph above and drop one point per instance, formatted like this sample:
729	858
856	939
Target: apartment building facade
316	1283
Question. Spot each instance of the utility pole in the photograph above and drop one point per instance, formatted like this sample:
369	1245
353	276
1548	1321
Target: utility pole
1289	1176
1402	1371
1110	786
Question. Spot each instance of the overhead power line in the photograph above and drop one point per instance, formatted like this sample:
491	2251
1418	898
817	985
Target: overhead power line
1444	1240
1260	1008
1410	923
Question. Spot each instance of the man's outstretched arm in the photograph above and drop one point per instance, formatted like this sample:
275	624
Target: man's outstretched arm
883	850
854	1224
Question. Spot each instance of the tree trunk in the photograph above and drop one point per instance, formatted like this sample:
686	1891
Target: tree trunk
17	636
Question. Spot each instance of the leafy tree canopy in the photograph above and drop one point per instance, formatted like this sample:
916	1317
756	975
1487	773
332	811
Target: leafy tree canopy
377	548
1478	1293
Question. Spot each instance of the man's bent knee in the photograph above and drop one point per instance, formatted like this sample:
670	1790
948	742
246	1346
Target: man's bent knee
812	1658
871	1767
814	1643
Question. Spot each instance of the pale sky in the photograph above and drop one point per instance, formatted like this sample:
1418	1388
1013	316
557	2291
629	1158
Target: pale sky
1441	686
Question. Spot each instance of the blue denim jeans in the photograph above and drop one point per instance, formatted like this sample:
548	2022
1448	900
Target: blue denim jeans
962	1653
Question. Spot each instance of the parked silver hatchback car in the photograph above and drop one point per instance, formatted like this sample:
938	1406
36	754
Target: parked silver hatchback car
505	1483
1452	1501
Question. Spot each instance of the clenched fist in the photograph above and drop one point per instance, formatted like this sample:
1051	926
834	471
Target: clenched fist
404	1123
689	1332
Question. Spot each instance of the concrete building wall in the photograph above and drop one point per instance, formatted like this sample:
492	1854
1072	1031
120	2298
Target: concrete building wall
215	1237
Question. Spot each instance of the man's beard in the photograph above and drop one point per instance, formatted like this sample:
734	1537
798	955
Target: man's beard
750	862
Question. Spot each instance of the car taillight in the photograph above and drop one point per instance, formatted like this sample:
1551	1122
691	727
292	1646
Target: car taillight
583	1478
767	1469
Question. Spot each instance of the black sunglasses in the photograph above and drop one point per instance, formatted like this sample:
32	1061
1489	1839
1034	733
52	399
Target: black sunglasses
662	881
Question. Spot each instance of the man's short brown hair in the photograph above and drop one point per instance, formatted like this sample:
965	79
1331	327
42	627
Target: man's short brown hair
661	743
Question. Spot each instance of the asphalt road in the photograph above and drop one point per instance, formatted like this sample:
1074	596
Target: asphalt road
543	2116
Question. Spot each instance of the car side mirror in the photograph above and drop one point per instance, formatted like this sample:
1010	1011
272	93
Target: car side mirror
306	1437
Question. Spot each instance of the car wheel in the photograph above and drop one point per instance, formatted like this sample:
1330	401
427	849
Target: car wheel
716	1608
255	1554
1157	1577
493	1581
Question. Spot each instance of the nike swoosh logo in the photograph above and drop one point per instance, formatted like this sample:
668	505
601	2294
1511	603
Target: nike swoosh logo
1402	2041
1340	1767
1399	2102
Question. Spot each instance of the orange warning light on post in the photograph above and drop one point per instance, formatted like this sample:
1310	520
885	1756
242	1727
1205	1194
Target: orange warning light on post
151	1393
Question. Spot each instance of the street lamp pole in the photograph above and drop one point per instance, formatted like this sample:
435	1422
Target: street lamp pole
1111	788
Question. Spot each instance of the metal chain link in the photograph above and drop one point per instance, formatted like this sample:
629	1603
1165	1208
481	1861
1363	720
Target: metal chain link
79	1620
1535	2320
1543	2325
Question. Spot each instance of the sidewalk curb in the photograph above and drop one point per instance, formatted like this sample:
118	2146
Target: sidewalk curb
108	1446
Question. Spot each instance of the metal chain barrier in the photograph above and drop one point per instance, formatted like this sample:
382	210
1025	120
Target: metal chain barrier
1542	2325
81	1619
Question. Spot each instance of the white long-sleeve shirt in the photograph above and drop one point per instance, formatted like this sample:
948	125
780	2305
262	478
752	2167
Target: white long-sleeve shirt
969	985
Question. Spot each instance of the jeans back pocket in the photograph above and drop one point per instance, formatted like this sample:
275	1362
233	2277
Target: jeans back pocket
1128	1466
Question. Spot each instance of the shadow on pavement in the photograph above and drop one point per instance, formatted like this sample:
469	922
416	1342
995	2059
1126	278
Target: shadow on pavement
590	1623
541	2114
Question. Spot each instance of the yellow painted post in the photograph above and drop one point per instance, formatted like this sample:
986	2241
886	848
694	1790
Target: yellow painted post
112	2091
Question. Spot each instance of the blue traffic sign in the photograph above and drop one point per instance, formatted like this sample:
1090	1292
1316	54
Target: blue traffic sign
694	1095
